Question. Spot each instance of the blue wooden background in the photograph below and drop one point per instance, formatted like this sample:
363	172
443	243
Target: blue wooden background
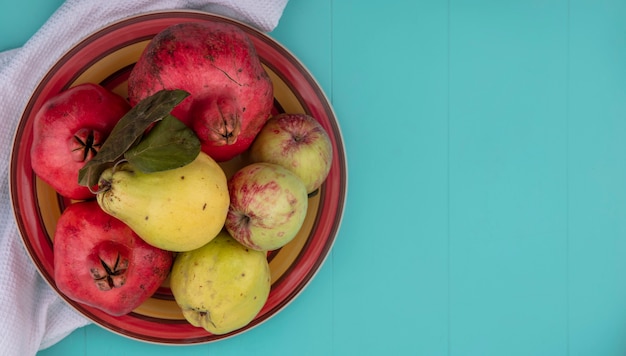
486	213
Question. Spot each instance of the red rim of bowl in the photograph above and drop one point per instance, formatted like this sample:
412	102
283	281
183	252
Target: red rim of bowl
273	55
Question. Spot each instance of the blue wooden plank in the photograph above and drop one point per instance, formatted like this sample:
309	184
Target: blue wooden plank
508	84
305	30
390	92
597	203
71	345
22	19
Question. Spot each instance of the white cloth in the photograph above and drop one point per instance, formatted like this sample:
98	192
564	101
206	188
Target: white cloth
33	316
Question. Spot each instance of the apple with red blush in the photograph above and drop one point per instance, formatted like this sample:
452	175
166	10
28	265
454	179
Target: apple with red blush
100	262
268	205
69	130
297	142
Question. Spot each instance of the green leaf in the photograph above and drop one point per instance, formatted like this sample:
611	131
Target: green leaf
169	144
128	131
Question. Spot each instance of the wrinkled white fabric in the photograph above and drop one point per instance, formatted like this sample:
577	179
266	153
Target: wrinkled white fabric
33	316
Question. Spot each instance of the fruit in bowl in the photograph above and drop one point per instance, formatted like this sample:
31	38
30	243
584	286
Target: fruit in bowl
268	206
297	142
107	57
69	130
221	286
177	209
217	63
101	262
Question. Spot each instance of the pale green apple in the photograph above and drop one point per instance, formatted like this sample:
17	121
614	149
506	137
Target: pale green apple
297	142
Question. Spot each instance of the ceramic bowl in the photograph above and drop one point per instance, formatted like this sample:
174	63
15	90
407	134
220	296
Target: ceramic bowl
107	57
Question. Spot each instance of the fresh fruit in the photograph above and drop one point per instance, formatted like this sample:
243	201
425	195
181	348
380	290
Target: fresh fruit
297	142
268	204
178	209
68	131
148	137
231	94
222	285
100	262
